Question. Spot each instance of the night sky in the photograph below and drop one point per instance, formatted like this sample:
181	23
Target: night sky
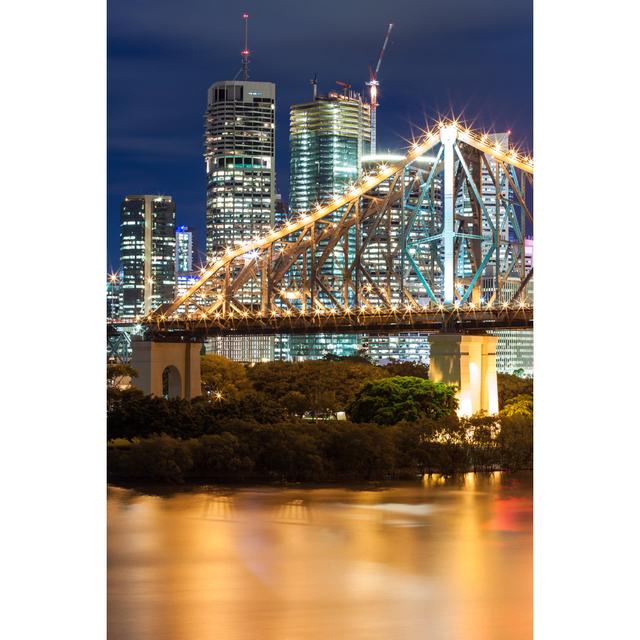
463	57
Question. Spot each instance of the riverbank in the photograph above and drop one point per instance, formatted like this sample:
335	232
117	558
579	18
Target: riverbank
201	485
239	452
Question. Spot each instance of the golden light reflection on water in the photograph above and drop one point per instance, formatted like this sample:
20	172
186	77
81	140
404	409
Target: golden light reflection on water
448	559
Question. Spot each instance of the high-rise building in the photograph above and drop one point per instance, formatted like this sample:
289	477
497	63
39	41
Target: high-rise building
239	154
184	249
114	295
327	138
147	253
241	195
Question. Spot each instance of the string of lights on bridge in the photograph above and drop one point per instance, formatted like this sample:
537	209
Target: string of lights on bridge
362	310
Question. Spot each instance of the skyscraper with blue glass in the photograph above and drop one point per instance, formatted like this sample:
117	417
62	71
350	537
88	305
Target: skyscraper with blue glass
328	138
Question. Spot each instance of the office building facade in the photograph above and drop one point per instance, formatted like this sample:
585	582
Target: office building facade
184	249
147	253
327	138
240	162
241	178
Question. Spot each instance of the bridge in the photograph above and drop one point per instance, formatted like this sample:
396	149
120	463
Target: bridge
434	241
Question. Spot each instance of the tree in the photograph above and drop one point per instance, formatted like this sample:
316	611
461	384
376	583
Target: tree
515	442
332	383
391	400
295	403
414	369
520	405
117	374
510	386
222	376
163	458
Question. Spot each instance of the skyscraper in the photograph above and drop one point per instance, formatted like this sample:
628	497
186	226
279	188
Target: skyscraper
240	162
114	295
327	138
184	249
147	253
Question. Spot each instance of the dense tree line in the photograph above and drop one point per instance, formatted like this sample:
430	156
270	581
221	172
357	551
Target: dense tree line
275	422
235	450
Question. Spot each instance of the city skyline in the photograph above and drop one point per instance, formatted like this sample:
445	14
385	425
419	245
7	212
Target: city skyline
158	147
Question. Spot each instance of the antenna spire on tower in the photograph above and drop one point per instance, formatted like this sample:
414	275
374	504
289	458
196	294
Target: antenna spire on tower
245	52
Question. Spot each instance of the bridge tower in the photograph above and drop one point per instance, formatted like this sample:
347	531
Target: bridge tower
167	368
469	363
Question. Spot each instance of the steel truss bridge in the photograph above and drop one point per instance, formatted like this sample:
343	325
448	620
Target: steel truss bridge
434	241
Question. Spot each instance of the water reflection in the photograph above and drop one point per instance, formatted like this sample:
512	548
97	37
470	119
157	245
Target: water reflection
447	559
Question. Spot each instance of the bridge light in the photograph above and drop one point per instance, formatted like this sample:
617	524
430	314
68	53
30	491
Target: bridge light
472	305
456	304
505	305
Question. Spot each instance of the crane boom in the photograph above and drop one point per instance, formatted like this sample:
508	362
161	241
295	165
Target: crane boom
384	46
373	85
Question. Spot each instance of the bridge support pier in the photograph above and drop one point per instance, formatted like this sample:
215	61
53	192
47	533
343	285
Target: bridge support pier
171	368
469	362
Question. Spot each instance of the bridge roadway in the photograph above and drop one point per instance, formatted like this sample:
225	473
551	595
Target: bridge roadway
451	319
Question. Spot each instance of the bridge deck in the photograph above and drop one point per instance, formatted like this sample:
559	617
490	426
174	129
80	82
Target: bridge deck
435	321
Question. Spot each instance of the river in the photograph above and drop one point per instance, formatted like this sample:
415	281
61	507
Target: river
441	559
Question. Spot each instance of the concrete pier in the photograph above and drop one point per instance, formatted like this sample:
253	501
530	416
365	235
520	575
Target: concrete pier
180	361
469	363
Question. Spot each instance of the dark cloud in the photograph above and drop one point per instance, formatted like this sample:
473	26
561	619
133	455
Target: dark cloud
461	56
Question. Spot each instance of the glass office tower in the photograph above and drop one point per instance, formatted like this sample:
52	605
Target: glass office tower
241	195
240	162
147	253
328	138
184	249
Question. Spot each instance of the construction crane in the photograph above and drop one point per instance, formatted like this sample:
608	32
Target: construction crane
373	85
345	87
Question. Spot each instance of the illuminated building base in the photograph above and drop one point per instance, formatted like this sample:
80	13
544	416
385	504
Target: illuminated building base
170	369
469	363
